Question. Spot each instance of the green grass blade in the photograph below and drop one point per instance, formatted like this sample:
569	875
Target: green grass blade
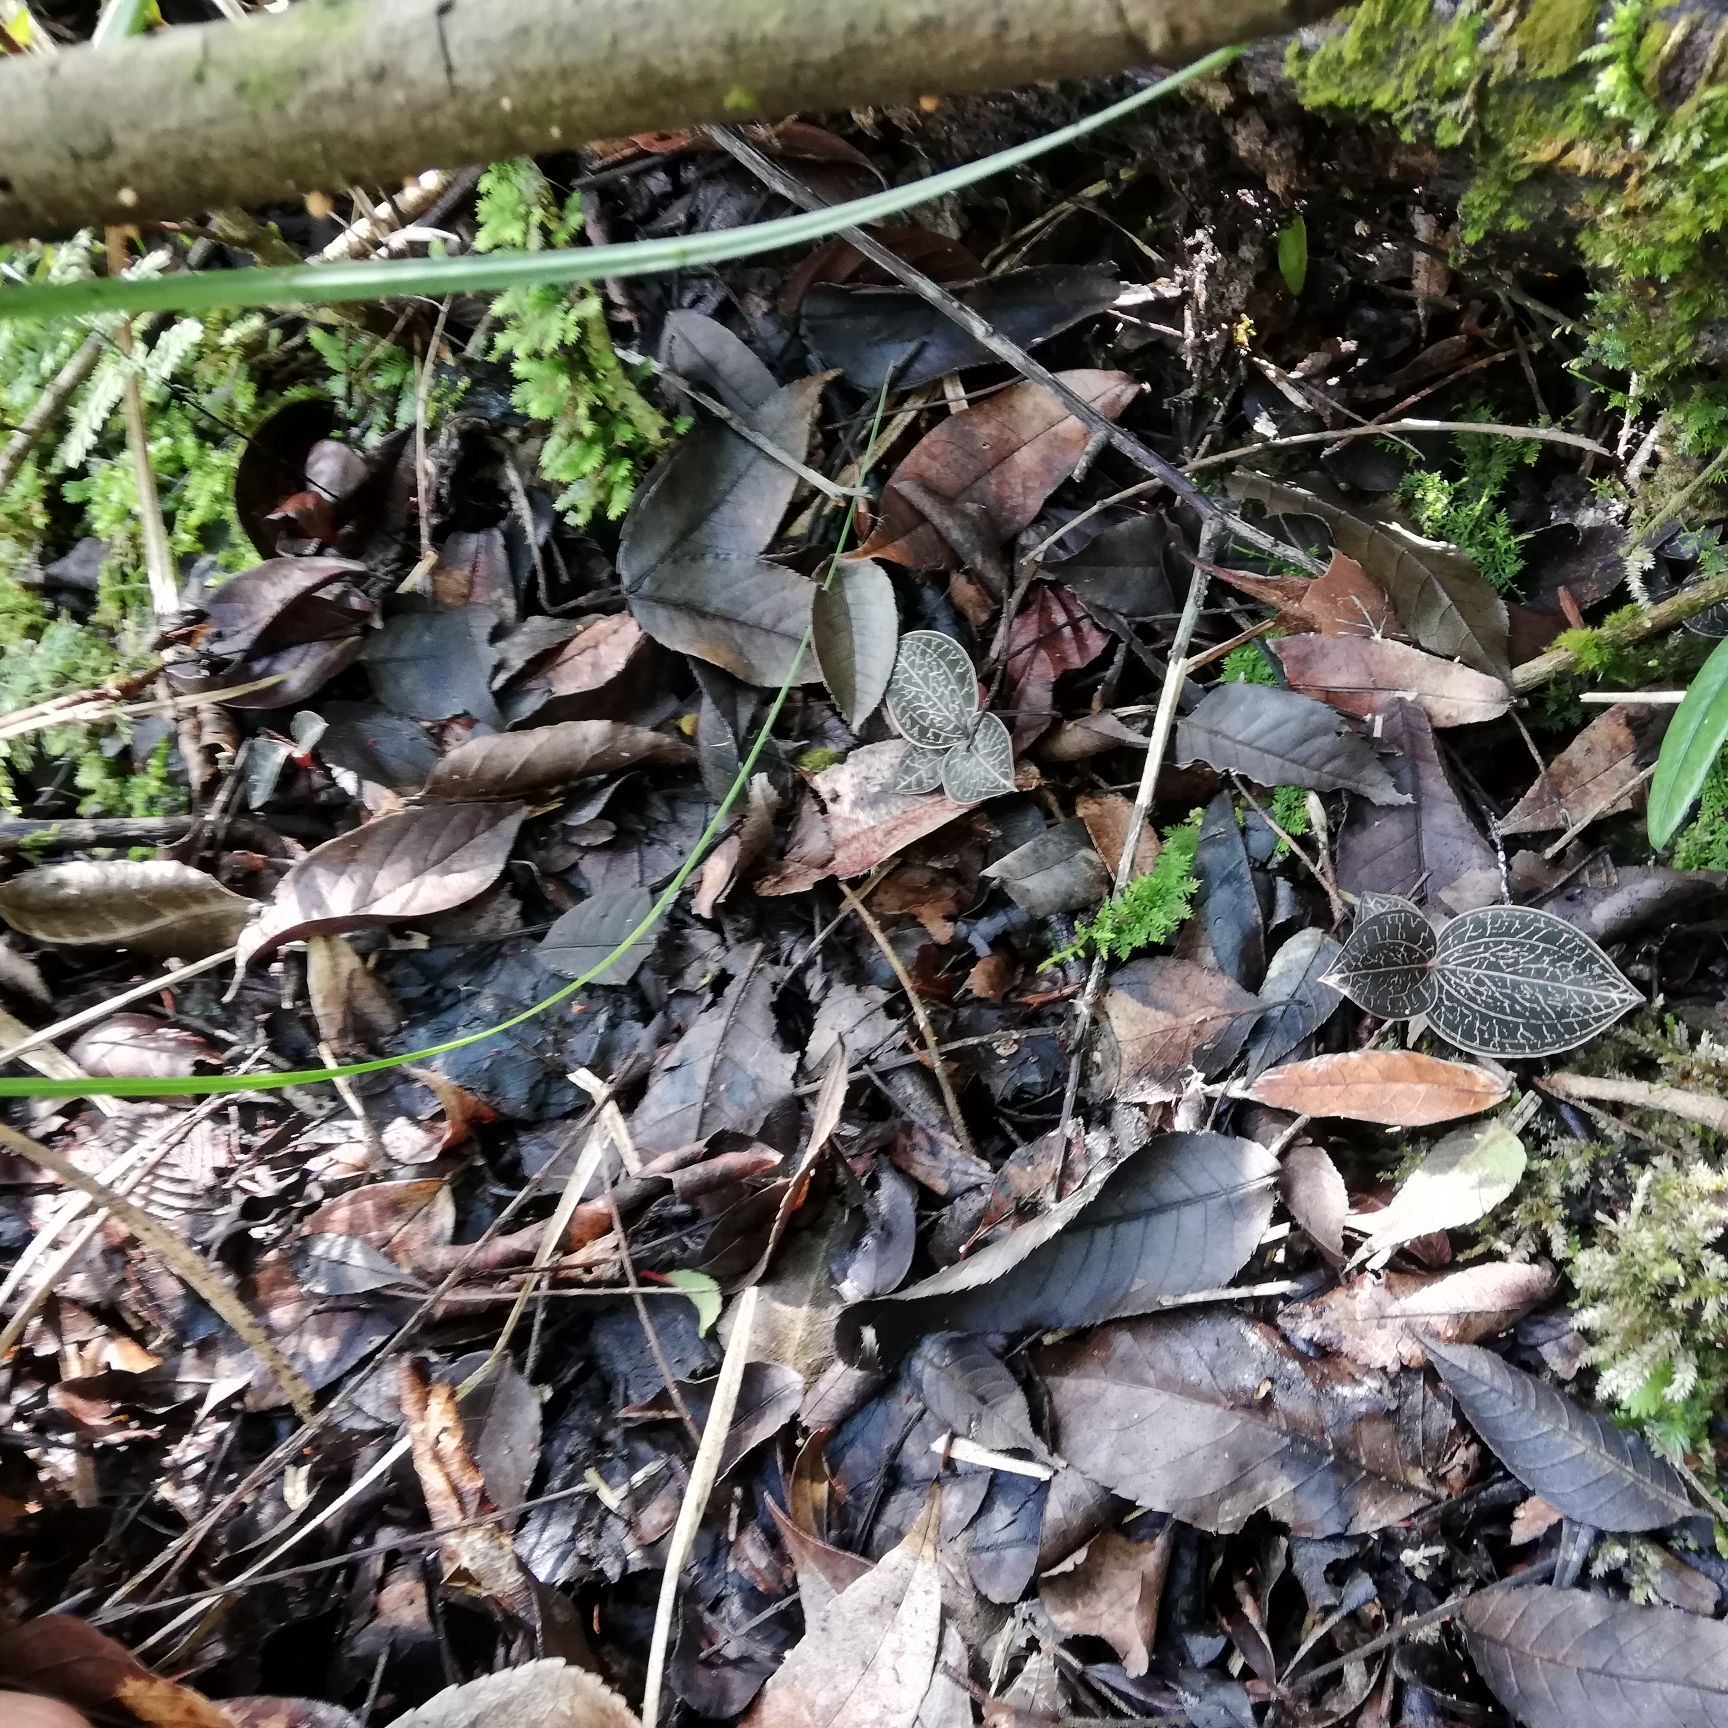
389	279
1689	749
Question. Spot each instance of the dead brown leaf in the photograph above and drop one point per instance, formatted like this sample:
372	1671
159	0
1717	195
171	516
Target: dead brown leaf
155	906
527	764
1342	602
1376	1320
1113	1592
67	1659
1052	634
1598	774
995	463
1361	675
1396	1088
1315	1195
1159	1017
548	1694
1107	815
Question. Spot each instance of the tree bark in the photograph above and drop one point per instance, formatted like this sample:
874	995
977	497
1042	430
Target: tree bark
337	91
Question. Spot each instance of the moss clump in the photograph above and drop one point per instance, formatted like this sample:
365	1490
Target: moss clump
1703	842
1589	129
1463	502
1151	909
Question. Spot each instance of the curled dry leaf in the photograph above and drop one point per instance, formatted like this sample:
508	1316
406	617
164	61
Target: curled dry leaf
1396	1088
1377	1320
528	764
1579	1461
1277	738
1113	1592
1362	676
1052	634
1460	1181
1181	1215
155	906
1569	1659
1211	1416
546	1694
409	865
998	462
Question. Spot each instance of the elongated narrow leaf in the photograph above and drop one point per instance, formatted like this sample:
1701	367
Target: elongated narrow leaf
1569	1659
1690	746
1387	963
1580	1462
1277	738
1182	1215
156	906
525	764
854	628
1212	1417
1362	675
1396	1088
1297	996
1517	981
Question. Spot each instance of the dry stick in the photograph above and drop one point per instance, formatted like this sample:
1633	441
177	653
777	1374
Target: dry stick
1704	1108
984	333
1544	434
1602	806
1175	675
50	405
919	1014
180	1260
704	1472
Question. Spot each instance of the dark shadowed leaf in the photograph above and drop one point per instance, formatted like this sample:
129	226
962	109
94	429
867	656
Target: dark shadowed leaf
1181	1215
1056	871
1296	998
877	334
1598	774
1376	1320
998	461
1387	964
331	1265
375	748
1438	594
1580	1462
1361	676
1229	902
747	616
727	1071
1161	1016
1459	1181
855	627
265	607
966	1388
1052	634
1396	1088
526	764
582	937
1277	738
1212	1417
1122	569
408	865
1517	981
1569	1659
1422	847
155	906
703	352
433	662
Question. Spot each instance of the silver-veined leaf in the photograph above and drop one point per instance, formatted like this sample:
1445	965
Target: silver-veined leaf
1690	746
983	767
1386	964
1517	981
920	770
933	693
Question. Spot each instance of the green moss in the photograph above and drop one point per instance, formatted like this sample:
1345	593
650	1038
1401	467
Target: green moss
1703	842
1151	909
1248	664
1552	121
1461	502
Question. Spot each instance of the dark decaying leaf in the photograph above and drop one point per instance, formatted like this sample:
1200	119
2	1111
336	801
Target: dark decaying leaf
874	334
1113	1592
407	865
1424	846
433	662
1315	1196
1517	981
1437	592
267	606
1056	871
1051	634
967	1389
581	938
727	1071
1121	570
1277	738
1569	1659
1211	1416
1181	1215
526	764
1387	964
1159	1018
997	462
1396	1088
1229	900
155	906
1296	999
1361	676
1581	1463
1598	774
855	626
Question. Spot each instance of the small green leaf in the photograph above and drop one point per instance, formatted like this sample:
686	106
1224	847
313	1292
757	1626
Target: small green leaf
1689	750
1293	254
703	1291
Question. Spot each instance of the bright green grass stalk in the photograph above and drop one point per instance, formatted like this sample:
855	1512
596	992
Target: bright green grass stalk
389	279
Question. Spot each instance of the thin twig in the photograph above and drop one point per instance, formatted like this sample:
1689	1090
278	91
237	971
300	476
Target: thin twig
1386	428
50	405
919	1014
983	332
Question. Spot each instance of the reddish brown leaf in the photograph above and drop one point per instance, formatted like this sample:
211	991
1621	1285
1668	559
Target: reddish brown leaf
1113	1593
1052	634
273	605
1001	460
408	865
1161	1016
64	1658
1361	675
1106	815
1598	774
1342	602
1396	1088
526	764
1377	1321
567	686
